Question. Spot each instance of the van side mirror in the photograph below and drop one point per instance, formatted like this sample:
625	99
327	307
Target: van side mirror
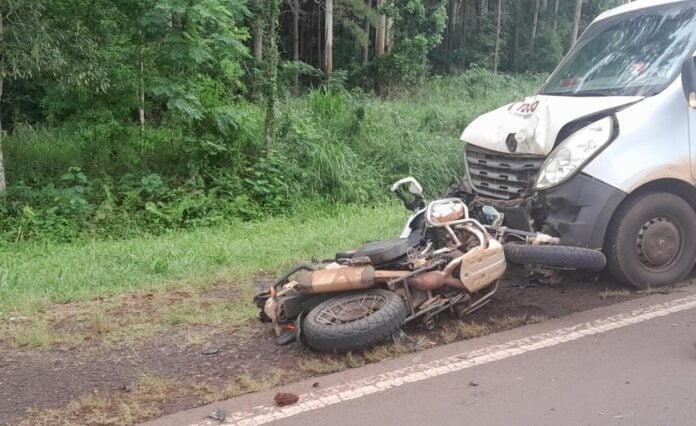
688	77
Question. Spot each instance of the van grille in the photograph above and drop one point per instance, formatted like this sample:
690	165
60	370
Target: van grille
500	175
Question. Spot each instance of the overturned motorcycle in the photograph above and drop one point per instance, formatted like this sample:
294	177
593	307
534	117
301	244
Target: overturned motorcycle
445	259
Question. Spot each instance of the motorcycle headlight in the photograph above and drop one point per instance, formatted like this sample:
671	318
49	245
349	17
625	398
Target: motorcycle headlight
573	153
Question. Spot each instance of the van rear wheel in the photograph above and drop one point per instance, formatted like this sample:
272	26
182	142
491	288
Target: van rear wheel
649	241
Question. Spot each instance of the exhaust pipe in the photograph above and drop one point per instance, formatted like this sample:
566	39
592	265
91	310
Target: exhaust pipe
345	278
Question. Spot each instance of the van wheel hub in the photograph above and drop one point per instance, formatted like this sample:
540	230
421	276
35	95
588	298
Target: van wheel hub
658	243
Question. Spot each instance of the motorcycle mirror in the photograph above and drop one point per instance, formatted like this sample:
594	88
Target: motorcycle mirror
415	188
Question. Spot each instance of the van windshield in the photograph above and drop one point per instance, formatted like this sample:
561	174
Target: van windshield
632	54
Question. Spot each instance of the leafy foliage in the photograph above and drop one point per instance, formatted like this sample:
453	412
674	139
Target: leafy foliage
332	145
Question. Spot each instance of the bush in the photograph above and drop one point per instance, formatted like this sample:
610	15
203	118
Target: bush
331	146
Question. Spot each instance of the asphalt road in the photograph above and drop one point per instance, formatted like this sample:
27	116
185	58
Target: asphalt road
640	374
628	364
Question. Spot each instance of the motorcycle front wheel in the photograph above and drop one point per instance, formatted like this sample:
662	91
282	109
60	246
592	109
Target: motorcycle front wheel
353	321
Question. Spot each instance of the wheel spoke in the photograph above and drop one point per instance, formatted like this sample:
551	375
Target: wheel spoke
350	308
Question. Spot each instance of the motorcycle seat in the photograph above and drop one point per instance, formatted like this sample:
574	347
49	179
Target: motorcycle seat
379	252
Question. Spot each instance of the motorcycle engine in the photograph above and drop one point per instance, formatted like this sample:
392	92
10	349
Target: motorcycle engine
439	237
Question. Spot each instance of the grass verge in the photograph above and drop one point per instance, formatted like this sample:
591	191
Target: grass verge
54	292
142	401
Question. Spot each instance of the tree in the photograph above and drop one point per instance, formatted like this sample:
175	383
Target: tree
3	180
381	30
496	59
535	23
328	49
576	22
296	9
366	41
257	31
418	28
27	49
271	14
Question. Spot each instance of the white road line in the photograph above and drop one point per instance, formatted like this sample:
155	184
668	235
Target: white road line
389	380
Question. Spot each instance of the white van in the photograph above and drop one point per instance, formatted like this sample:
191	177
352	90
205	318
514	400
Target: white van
604	154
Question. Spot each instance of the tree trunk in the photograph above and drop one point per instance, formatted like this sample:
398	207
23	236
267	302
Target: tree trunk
389	35
461	31
517	13
555	14
319	38
141	97
257	33
3	182
366	44
295	6
496	58
270	19
381	29
576	22
535	23
328	50
451	24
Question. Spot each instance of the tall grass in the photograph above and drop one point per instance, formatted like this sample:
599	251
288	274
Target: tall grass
349	146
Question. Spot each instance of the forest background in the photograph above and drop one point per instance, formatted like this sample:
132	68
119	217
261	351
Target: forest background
120	118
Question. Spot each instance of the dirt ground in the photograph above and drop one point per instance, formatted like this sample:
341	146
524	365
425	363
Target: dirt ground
130	381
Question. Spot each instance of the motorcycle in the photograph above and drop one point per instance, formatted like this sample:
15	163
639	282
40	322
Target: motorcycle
444	259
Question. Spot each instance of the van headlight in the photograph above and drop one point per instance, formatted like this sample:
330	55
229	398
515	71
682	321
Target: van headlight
574	152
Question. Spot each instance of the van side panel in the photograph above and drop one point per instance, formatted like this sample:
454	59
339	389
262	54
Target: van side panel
653	143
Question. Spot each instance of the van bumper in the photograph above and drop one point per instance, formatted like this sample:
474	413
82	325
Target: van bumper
579	210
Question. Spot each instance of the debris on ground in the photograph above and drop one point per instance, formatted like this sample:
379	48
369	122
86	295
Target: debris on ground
210	351
404	341
315	384
218	414
544	276
282	399
473	384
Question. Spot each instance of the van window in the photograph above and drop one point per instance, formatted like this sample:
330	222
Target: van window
633	54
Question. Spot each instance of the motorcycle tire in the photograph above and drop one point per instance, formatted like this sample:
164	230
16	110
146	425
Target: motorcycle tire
353	321
563	257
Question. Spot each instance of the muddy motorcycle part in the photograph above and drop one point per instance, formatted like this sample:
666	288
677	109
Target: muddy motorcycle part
379	252
337	280
650	240
285	278
293	335
353	321
474	304
260	301
552	256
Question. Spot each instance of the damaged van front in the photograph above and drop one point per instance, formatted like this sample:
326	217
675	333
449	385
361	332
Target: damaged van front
604	155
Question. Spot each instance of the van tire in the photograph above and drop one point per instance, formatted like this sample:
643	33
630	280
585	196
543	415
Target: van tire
648	240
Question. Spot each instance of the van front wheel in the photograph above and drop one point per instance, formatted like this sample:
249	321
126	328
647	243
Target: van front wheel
649	240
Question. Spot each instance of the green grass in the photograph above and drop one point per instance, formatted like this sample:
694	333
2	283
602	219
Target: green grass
33	276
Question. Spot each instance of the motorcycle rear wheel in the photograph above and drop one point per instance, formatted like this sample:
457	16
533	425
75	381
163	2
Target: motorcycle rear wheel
563	257
353	321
